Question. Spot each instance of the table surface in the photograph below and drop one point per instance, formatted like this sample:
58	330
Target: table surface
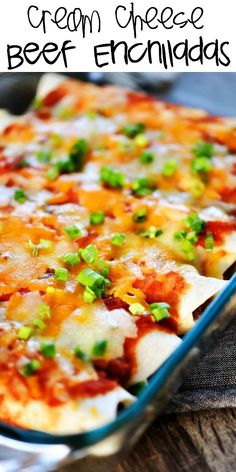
193	442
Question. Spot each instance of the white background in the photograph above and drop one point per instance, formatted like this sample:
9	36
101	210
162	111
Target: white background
218	20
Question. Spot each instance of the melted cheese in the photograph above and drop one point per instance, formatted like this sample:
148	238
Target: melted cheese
142	270
92	324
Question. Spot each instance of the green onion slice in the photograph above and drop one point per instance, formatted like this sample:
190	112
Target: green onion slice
61	274
20	196
30	368
99	348
112	177
48	349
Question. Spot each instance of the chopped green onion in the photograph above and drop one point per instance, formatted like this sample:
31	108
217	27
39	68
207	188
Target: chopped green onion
140	216
30	368
45	244
141	140
194	222
203	148
187	241
132	130
112	177
147	157
55	140
71	259
44	156
92	115
169	168
48	349
209	241
81	354
38	323
23	164
61	274
137	388
136	308
118	239
20	196
44	310
180	235
78	153
160	311
89	296
192	237
99	348
201	165
97	218
89	254
188	248
24	332
127	146
72	231
151	232
142	187
93	280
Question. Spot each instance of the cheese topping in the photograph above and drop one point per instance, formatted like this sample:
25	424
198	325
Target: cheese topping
117	223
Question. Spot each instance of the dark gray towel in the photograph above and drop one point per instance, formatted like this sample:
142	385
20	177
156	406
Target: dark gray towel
212	383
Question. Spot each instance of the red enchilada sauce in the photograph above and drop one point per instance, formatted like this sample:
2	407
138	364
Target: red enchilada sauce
51	385
55	96
218	229
162	288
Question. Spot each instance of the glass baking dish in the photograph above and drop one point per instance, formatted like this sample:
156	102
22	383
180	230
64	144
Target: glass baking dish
101	449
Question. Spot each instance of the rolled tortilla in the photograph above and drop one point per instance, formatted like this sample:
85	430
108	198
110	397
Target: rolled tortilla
68	418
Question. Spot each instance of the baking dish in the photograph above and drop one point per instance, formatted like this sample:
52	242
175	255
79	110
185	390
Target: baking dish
100	449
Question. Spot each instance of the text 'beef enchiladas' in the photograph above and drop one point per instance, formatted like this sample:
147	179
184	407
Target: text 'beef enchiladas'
117	226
